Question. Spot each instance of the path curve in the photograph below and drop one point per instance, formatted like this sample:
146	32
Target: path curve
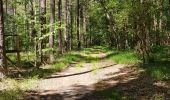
75	82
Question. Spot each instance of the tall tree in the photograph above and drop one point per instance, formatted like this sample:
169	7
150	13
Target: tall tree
71	24
43	25
78	25
6	3
84	24
52	22
32	13
2	40
67	21
60	40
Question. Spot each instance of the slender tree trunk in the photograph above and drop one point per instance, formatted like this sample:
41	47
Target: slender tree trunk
71	25
84	25
159	40
34	31
32	12
66	26
2	40
52	22
43	28
60	40
6	3
169	23
78	25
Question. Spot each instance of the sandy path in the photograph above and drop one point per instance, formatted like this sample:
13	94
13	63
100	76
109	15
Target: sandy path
75	82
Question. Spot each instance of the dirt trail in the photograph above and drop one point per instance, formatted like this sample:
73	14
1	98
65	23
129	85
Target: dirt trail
75	82
83	81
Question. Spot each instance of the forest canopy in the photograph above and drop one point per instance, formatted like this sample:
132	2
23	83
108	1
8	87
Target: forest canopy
51	27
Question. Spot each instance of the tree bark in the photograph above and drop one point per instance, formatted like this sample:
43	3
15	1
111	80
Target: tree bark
52	22
60	40
43	28
78	25
66	26
2	41
71	25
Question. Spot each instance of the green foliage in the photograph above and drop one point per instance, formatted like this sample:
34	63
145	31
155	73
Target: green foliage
161	53
158	70
111	95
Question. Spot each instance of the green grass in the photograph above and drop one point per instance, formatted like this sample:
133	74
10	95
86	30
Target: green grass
111	94
38	73
14	89
159	70
127	57
79	57
10	94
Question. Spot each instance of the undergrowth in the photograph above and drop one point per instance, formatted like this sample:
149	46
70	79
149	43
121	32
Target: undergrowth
126	57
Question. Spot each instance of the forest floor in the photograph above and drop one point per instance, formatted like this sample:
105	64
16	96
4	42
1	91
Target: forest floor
93	74
100	80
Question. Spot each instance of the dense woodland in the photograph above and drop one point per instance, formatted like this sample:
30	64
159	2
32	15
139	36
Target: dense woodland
49	29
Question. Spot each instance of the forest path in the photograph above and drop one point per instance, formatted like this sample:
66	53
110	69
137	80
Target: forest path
76	81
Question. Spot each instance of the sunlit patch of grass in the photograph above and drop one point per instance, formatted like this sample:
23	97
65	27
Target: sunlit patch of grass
25	56
10	94
94	67
80	65
59	66
126	58
14	89
69	58
64	61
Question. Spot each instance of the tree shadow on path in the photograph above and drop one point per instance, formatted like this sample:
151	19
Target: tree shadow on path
129	84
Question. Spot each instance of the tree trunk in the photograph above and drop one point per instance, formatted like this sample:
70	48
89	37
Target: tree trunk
69	24
84	25
43	28
6	4
78	25
60	40
32	12
2	41
66	26
52	22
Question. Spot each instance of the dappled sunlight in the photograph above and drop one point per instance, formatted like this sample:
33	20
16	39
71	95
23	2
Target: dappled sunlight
93	74
159	70
11	89
129	86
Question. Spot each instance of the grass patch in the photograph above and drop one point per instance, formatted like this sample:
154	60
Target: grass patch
111	95
10	94
127	57
79	65
13	90
94	67
38	73
159	70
